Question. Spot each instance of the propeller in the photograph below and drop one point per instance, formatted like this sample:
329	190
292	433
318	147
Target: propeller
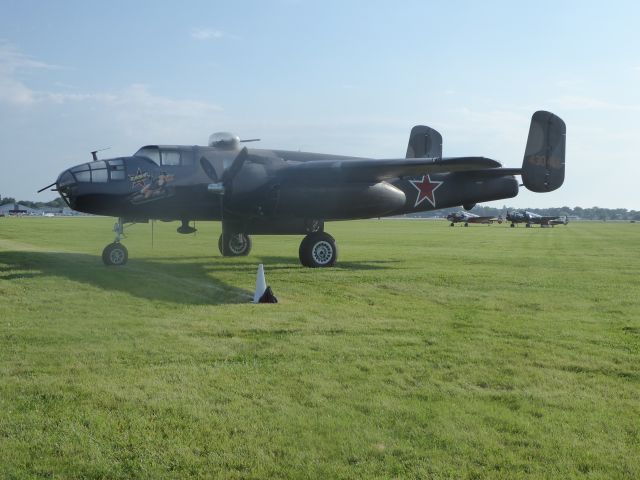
234	168
224	187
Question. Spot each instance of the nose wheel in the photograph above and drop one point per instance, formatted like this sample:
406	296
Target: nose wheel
116	254
318	250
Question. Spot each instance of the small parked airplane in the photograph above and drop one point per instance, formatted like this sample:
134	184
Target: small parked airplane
530	218
468	217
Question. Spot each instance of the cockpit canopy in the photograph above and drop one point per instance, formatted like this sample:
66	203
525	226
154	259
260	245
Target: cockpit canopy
171	155
224	141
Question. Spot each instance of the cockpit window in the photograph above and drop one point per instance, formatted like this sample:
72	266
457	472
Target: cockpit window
99	165
117	169
99	176
170	157
167	155
95	172
83	176
150	152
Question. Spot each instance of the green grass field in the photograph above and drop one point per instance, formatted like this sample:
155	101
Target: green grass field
429	352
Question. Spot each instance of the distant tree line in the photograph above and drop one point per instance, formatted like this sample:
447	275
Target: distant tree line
57	203
592	213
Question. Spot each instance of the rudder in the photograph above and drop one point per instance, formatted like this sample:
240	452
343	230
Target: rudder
544	157
424	142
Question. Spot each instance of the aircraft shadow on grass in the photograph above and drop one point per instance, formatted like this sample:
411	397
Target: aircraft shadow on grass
182	280
157	280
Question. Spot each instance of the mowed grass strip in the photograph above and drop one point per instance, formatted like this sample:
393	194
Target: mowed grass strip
429	352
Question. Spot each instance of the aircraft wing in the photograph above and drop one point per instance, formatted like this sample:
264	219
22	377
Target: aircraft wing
543	219
369	170
482	219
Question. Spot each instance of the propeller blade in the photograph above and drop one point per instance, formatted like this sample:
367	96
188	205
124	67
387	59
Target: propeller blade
208	169
235	166
44	188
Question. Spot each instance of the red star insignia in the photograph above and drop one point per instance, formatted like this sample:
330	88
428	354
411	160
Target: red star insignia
426	189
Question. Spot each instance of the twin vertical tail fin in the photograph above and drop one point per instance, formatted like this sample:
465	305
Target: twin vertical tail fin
543	164
424	142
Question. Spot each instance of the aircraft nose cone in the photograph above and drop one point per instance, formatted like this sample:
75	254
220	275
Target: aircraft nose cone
66	185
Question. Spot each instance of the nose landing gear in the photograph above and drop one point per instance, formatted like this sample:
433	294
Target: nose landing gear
116	254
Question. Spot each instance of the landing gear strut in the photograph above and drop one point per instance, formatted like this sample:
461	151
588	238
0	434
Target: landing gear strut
234	244
115	253
318	250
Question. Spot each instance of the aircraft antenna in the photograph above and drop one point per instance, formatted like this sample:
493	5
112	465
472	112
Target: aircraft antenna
93	153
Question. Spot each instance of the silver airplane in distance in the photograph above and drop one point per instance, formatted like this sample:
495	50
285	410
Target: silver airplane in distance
530	218
468	218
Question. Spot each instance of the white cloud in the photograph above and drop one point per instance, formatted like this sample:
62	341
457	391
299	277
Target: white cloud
12	61
134	98
138	95
15	92
206	33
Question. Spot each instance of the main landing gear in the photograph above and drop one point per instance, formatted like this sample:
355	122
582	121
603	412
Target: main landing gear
234	244
116	254
317	250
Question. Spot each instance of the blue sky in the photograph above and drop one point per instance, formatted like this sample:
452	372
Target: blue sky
336	77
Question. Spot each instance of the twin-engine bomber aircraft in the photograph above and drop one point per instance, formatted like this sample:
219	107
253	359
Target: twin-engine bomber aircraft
277	192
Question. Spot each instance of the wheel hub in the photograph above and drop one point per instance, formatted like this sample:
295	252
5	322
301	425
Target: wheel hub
237	244
322	252
116	256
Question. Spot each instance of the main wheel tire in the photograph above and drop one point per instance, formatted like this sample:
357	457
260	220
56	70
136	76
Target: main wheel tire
513	225
452	225
318	250
466	224
115	254
236	244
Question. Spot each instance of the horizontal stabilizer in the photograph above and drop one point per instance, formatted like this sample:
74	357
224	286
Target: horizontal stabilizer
543	164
